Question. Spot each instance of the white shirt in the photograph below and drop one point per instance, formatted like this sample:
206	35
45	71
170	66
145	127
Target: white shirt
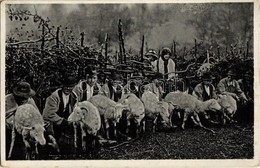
207	89
65	99
90	91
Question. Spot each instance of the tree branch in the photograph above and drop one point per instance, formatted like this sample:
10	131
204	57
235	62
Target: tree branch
34	41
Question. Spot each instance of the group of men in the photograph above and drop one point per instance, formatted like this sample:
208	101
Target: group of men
61	102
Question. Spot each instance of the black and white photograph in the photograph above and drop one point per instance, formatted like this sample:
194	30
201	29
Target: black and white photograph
129	81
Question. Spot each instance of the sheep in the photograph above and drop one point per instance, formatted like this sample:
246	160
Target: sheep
29	123
87	116
154	108
136	111
192	106
109	110
228	105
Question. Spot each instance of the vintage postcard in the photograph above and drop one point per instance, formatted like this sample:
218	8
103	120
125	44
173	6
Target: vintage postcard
130	83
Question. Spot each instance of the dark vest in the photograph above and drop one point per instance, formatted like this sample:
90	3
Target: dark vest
205	94
64	112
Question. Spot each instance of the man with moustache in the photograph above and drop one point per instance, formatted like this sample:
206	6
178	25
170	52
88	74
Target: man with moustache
59	105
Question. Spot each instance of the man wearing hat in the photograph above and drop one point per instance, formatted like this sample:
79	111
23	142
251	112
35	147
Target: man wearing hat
87	88
21	94
58	107
155	86
230	86
133	86
205	90
113	89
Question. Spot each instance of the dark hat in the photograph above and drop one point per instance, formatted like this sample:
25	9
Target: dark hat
69	81
231	73
207	76
166	51
23	89
157	76
116	76
137	75
248	74
151	52
90	71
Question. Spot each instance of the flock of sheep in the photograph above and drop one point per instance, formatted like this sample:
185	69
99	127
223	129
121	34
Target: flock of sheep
99	112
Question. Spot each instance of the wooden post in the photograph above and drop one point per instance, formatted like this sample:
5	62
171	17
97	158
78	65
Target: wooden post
57	36
247	49
174	50
82	39
43	39
195	52
218	52
106	48
142	50
207	56
157	65
184	53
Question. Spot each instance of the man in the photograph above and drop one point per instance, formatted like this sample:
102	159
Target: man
59	105
113	89
86	89
230	86
205	90
21	94
134	84
246	111
155	86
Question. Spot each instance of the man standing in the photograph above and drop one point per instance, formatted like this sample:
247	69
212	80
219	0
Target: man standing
86	89
205	90
58	107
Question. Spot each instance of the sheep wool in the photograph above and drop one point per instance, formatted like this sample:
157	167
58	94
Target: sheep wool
86	113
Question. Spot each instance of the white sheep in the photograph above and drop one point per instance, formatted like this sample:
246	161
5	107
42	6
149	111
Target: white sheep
228	105
192	106
136	110
154	108
87	116
29	123
109	110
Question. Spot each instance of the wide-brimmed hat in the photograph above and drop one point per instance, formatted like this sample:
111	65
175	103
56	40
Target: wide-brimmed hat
90	71
69	81
151	52
115	76
23	89
248	74
207	76
137	75
231	73
156	76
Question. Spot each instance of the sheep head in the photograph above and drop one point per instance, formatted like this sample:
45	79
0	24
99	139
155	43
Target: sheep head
212	105
37	133
163	109
76	115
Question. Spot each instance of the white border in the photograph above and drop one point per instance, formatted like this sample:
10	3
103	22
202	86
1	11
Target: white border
136	163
